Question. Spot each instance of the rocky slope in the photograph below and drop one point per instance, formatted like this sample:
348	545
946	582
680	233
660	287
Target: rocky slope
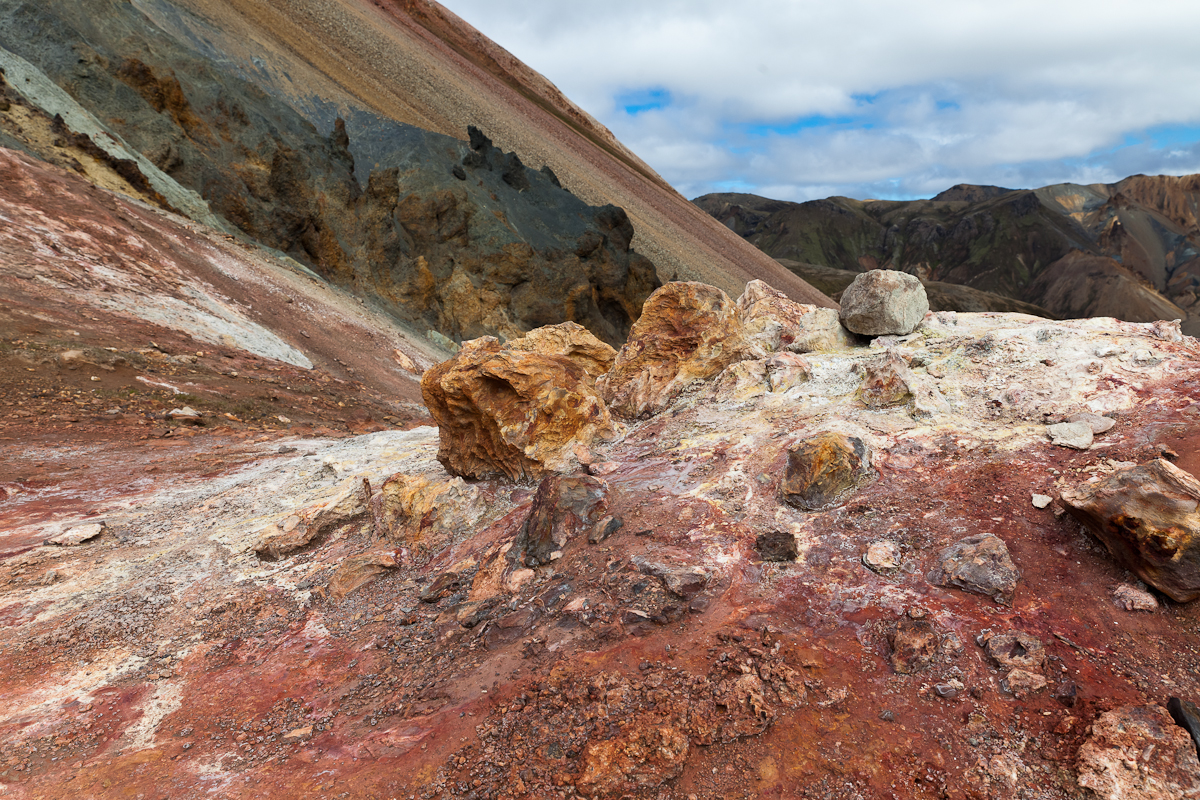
266	607
1129	249
182	105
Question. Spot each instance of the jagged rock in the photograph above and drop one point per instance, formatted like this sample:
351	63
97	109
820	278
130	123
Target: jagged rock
1131	598
638	758
1076	435
772	322
688	331
824	469
1021	682
563	507
605	528
979	564
776	546
887	381
520	413
740	381
426	514
1016	650
1040	501
785	370
444	584
1138	753
359	570
572	341
1147	517
681	580
882	556
914	645
1186	716
77	535
312	524
882	302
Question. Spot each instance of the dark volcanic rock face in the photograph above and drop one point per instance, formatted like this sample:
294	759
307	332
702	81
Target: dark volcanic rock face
465	240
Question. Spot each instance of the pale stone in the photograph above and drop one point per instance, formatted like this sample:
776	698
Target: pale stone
882	302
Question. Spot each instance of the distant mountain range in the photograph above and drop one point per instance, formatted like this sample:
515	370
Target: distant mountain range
1129	250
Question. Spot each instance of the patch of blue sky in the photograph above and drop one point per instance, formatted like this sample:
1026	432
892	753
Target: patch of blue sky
734	186
816	121
639	101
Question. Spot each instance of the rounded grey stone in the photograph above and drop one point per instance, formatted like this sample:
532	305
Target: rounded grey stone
884	302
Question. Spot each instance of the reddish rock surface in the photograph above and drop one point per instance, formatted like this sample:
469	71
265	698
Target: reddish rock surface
667	659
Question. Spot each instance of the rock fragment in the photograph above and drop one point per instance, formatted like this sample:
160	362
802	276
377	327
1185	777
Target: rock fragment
771	321
523	413
563	507
688	331
605	528
887	381
1041	500
980	564
1021	683
77	535
776	546
359	570
1097	423
882	302
1138	753
313	523
1016	650
1076	435
573	341
1131	598
680	579
882	556
1147	516
914	645
824	469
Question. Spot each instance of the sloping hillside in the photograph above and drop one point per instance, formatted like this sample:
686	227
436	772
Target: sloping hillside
1141	234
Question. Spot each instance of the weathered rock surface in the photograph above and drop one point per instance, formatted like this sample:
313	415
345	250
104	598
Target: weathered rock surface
882	555
563	507
520	413
1138	753
771	321
1016	650
77	535
1076	435
776	546
687	332
425	514
359	570
1021	683
312	524
572	341
1148	517
1187	716
1132	598
881	302
824	469
914	645
979	564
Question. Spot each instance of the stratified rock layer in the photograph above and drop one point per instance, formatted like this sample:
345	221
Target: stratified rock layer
1147	518
506	411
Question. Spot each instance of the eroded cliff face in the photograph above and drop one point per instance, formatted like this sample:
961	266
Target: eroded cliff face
1049	247
341	615
457	237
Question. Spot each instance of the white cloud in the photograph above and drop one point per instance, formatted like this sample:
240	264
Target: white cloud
895	98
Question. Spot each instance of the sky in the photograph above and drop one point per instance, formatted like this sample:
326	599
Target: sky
803	99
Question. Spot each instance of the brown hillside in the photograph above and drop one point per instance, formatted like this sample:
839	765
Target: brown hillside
416	62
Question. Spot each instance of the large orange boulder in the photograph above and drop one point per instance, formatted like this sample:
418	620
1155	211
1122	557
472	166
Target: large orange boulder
522	413
688	331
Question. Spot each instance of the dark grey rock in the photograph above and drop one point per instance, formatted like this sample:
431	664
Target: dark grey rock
979	564
776	546
563	506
